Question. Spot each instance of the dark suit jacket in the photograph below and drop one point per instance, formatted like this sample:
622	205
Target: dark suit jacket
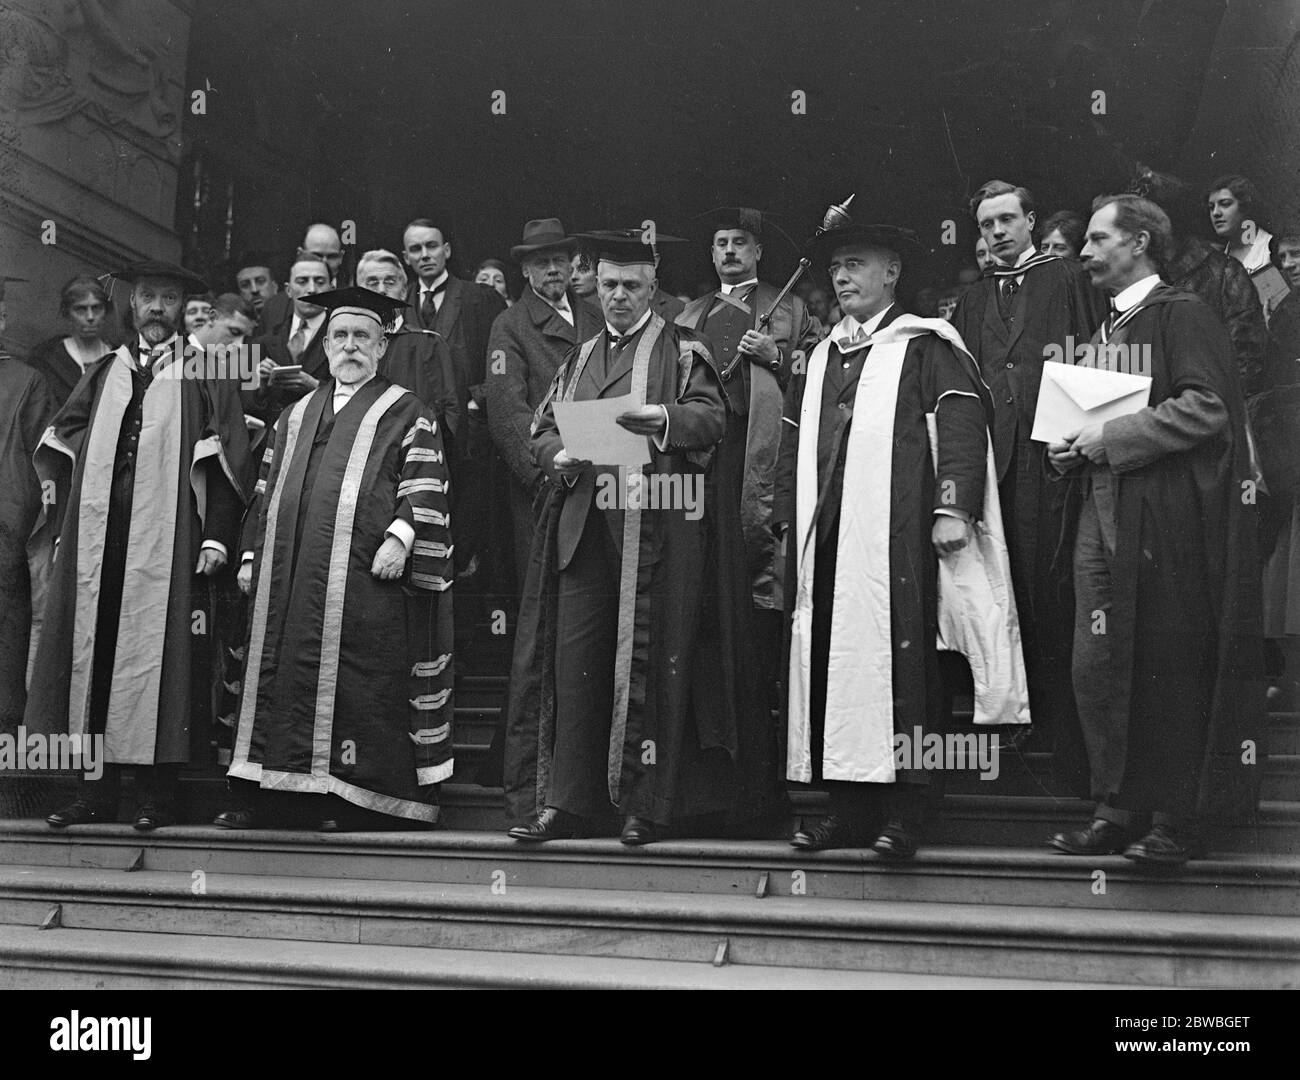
465	321
526	346
266	403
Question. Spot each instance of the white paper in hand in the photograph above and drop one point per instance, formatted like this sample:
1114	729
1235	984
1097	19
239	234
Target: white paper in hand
590	432
1071	397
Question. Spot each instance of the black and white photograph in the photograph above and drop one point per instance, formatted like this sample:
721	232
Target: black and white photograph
754	495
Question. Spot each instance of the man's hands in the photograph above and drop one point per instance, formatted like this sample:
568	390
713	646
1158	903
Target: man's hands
298	381
647	420
760	348
566	465
949	535
390	560
244	576
210	561
1087	442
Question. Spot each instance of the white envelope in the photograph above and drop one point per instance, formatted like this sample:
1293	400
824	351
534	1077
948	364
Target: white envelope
1071	397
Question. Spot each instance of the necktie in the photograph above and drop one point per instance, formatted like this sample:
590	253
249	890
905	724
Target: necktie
298	342
429	305
1007	288
1109	324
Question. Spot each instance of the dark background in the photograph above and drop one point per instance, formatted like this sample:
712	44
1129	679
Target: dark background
619	112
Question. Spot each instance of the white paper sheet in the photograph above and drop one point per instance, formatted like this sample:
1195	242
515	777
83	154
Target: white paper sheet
590	433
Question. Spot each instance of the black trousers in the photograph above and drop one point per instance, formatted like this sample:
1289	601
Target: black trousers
586	640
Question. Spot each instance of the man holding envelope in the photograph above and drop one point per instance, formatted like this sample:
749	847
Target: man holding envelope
1166	632
631	690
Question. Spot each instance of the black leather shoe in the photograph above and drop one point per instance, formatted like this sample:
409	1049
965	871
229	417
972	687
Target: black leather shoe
832	832
550	824
150	818
235	819
895	842
638	831
1164	845
77	813
1099	838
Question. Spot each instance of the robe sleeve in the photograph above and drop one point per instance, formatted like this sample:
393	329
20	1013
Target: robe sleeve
253	523
423	503
546	441
962	431
509	414
783	486
698	418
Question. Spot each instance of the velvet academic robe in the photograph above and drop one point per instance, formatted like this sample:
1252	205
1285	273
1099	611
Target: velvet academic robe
862	576
663	696
756	397
144	466
1171	688
62	373
26	406
348	687
421	361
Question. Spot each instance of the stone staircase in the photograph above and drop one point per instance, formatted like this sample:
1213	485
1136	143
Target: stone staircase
985	904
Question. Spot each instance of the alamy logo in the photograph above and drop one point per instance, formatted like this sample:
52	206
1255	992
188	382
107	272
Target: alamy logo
61	752
121	1033
632	490
1118	356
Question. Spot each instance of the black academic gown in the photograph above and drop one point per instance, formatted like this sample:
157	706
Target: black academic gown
26	406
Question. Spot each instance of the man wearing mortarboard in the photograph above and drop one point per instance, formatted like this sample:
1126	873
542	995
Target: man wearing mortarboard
144	475
348	684
632	689
871	501
755	362
26	405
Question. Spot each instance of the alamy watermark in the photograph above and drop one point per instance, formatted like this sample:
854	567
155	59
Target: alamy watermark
29	751
632	490
1118	356
949	752
234	360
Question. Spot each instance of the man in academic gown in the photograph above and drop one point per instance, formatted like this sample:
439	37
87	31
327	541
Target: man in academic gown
1025	306
527	345
348	688
866	511
756	362
146	465
26	405
1167	644
633	687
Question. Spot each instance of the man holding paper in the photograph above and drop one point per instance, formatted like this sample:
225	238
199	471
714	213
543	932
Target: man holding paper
631	689
1167	606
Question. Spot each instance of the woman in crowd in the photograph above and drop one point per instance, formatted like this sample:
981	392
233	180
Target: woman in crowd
1236	214
492	272
1063	235
86	306
198	311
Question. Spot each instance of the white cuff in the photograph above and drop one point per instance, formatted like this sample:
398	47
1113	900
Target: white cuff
215	545
661	441
246	557
952	511
403	531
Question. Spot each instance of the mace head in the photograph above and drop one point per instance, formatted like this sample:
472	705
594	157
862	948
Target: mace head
837	215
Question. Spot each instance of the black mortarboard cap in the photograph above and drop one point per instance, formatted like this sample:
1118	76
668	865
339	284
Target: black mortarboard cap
156	268
623	246
357	300
891	237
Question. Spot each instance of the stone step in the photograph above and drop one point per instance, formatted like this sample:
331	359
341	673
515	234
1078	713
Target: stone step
1236	884
84	960
966	939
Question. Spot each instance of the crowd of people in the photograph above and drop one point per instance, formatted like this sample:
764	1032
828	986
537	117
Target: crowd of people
837	516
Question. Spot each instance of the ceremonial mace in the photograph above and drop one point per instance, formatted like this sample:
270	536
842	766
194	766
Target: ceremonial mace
836	215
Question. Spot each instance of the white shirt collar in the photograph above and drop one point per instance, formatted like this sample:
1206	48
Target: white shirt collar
1135	293
434	283
727	290
632	330
562	304
344	391
310	324
850	335
399	320
1026	255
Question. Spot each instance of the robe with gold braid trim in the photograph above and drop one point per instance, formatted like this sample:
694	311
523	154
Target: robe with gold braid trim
348	689
142	468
